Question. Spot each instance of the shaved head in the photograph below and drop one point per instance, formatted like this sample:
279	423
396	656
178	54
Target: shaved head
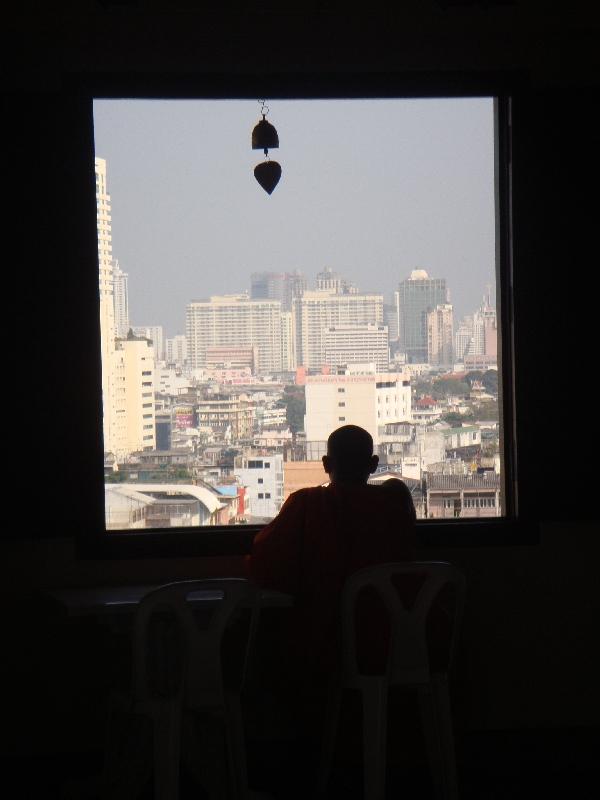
350	454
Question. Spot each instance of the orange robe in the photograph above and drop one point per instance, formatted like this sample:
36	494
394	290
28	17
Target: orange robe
320	536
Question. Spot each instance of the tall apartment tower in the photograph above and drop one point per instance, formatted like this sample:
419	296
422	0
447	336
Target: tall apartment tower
133	375
330	281
476	340
176	350
121	300
417	295
358	344
155	334
282	286
317	312
440	324
107	308
127	365
237	321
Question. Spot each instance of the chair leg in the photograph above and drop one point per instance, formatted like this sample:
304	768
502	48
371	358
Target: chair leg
167	745
432	740
441	703
328	740
374	701
236	748
436	718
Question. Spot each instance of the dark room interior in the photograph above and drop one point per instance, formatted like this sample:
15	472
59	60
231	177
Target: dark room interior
526	699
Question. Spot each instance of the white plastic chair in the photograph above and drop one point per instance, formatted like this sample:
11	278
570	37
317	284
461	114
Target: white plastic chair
407	666
177	668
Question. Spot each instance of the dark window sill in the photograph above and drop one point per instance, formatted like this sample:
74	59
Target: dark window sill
237	540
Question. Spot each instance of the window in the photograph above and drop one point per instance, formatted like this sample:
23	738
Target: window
444	358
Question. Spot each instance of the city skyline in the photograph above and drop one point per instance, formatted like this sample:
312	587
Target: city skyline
333	208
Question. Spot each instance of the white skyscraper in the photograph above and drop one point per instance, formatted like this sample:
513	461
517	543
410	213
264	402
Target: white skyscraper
357	344
176	350
106	289
127	364
318	311
133	376
121	300
440	321
237	321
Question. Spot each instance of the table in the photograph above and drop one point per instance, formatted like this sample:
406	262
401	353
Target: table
108	601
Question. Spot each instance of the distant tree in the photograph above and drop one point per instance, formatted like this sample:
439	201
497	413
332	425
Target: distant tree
487	410
456	419
294	402
444	387
489	379
116	477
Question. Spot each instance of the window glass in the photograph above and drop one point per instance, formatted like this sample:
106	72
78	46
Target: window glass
233	319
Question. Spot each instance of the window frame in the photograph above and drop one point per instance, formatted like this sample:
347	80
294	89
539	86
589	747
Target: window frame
510	529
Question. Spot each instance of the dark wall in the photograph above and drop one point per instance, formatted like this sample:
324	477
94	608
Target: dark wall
530	625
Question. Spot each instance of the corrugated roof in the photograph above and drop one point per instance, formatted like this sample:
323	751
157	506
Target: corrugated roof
487	480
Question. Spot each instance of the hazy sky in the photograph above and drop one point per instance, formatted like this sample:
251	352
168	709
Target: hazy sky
370	188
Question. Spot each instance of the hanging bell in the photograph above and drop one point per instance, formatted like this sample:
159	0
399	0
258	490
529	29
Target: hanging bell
268	173
264	136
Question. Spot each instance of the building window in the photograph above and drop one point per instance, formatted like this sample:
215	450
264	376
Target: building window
457	150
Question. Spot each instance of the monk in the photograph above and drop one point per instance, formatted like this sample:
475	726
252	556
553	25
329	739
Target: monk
322	535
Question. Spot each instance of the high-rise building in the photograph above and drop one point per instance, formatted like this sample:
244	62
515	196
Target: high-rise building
439	335
155	334
106	289
330	281
282	286
127	363
357	344
390	318
121	300
316	312
176	350
463	337
288	341
417	295
476	340
238	321
133	390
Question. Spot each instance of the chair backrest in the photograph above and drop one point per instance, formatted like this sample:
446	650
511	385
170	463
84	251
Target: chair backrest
174	656
407	659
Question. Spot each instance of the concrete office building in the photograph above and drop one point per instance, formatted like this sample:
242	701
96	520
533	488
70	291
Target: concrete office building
357	344
235	321
417	295
369	399
318	311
